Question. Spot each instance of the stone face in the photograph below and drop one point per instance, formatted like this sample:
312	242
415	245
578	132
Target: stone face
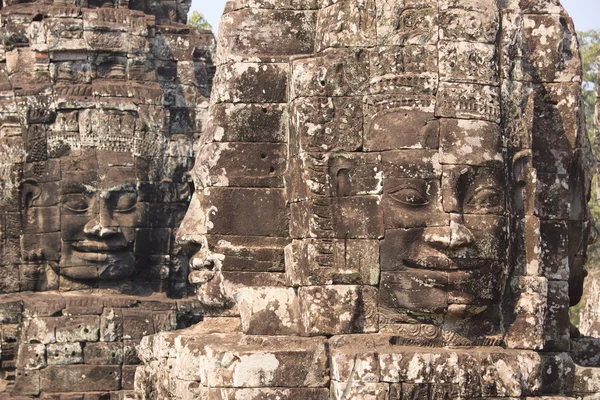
416	186
388	200
101	102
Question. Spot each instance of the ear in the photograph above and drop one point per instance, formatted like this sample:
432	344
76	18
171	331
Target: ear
521	162
29	192
183	191
523	182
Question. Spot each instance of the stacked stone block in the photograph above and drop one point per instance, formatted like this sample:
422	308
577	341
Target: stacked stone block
412	203
99	105
65	346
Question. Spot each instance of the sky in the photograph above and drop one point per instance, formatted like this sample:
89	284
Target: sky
585	13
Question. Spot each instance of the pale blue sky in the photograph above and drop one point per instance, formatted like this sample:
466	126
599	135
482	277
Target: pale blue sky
585	13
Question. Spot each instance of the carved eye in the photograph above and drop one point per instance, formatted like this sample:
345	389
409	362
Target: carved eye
77	202
409	196
126	202
486	197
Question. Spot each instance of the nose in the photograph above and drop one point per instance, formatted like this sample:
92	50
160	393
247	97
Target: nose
101	224
201	259
451	237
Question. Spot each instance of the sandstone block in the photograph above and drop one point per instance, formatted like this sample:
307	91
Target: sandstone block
110	353
78	329
269	311
65	353
91	377
338	309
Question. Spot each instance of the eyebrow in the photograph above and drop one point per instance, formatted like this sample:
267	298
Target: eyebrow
78	187
126	187
67	187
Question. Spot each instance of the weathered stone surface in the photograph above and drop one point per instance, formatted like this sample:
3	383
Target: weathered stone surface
391	175
435	173
100	103
91	377
338	309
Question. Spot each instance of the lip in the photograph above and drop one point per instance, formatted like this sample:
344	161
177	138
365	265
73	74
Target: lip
100	255
88	246
199	278
444	263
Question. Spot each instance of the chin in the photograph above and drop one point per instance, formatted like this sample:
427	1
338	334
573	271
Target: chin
117	267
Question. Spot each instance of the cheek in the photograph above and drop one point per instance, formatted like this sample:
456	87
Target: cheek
72	226
490	236
398	245
137	218
128	234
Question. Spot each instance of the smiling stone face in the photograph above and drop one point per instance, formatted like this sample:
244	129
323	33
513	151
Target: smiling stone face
413	161
100	214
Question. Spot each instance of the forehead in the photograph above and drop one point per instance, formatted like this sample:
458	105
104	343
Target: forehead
97	169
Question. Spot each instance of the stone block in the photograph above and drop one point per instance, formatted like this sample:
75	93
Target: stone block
137	323
587	380
247	123
287	362
555	116
65	353
91	377
338	309
254	29
41	220
32	356
557	323
470	142
111	325
247	82
525	332
269	311
468	62
359	390
40	330
130	352
319	262
357	28
128	377
586	351
268	216
78	329
357	217
401	30
348	366
26	383
322	124
339	72
397	129
260	165
468	101
558	373
10	311
560	51
109	353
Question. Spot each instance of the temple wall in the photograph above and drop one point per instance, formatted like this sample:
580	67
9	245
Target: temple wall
100	103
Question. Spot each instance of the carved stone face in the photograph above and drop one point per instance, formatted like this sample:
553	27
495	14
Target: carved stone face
98	210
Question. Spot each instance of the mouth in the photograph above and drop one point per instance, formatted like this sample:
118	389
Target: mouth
199	278
93	251
88	246
446	263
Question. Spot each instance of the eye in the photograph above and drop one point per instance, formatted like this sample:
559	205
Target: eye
486	197
126	201
409	196
77	202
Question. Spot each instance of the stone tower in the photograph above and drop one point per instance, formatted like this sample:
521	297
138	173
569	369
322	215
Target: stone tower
391	203
100	102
